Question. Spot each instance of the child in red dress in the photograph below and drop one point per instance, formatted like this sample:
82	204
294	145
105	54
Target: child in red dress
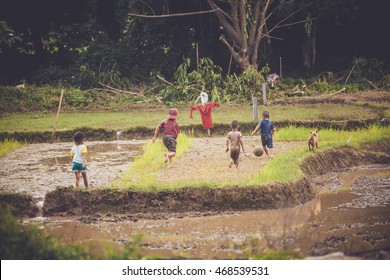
205	111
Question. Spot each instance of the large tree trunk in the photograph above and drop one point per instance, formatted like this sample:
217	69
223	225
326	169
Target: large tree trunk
243	37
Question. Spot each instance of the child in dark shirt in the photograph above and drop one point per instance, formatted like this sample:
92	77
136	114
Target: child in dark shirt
170	129
266	131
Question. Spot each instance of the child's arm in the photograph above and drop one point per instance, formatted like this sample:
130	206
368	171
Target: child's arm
84	159
84	153
242	145
256	129
227	144
156	133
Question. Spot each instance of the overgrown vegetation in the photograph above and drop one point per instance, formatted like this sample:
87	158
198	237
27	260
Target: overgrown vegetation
26	243
46	99
8	146
115	92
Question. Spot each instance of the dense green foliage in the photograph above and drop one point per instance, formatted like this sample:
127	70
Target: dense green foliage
21	243
18	242
188	82
83	43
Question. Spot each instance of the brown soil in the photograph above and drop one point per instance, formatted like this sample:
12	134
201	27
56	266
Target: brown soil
337	159
203	156
22	205
198	162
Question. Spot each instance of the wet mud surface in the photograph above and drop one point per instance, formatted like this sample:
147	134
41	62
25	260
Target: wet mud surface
350	214
40	168
332	222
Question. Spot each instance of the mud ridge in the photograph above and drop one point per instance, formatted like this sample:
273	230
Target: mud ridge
139	133
22	205
67	201
345	157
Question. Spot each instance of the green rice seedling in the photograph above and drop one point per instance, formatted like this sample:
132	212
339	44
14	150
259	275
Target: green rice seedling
8	146
282	168
142	174
372	134
285	167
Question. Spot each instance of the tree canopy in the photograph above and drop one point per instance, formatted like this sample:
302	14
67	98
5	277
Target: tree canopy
45	41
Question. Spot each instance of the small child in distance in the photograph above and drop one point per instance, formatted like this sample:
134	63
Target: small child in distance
233	143
79	162
266	131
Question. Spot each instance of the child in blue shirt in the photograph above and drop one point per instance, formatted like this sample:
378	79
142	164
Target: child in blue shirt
266	131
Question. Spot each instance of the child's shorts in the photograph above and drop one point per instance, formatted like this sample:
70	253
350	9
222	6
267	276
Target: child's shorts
235	155
170	143
266	140
78	167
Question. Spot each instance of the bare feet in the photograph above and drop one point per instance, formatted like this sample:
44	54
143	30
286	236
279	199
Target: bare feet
166	158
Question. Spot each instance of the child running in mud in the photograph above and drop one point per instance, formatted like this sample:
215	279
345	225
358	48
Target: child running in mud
266	131
79	162
233	143
170	129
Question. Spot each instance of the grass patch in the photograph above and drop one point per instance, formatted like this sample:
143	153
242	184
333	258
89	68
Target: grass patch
143	172
285	167
143	116
8	146
374	133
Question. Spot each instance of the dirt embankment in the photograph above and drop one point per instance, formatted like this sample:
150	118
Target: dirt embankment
141	133
337	159
67	201
22	205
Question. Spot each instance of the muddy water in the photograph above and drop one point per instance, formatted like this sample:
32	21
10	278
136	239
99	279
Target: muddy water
39	168
351	214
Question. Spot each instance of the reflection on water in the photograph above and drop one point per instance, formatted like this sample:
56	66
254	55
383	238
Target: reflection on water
324	225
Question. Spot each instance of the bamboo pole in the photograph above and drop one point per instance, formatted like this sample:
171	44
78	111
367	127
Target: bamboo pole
58	114
230	62
197	55
280	67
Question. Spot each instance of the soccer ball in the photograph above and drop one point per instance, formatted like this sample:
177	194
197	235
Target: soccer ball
258	151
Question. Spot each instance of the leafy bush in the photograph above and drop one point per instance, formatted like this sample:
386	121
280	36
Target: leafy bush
208	77
21	243
30	243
